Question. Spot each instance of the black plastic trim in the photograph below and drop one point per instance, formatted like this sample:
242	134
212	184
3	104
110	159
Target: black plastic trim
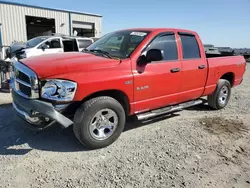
45	108
186	33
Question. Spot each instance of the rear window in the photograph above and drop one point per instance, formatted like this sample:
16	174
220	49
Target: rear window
190	47
84	43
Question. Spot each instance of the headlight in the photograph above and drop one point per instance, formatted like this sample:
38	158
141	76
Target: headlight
58	90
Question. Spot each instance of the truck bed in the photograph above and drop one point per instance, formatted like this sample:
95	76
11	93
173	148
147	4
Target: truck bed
234	66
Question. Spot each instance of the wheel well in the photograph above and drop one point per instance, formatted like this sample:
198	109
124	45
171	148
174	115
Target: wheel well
120	96
229	77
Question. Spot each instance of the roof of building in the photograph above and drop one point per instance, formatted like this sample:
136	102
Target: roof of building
53	9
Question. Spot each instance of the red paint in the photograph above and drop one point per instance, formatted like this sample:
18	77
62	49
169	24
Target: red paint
94	74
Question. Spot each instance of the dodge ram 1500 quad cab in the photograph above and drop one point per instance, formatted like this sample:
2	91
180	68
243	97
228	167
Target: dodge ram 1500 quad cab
142	72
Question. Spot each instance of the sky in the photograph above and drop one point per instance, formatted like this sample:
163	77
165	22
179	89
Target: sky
218	22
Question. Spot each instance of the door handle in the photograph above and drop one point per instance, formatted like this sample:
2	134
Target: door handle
201	66
174	70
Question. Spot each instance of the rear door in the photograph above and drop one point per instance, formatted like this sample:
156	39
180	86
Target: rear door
156	84
194	67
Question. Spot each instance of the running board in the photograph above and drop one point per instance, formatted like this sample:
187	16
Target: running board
169	109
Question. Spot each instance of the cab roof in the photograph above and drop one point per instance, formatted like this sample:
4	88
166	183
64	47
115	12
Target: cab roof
161	30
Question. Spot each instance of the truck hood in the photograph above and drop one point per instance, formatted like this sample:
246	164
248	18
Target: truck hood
61	63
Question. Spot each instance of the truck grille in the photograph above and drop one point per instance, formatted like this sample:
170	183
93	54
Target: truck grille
24	81
25	90
23	77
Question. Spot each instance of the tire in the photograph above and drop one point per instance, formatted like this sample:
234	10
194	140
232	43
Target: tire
217	100
89	113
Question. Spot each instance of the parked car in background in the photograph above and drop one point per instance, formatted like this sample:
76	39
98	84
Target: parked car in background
48	45
84	42
141	72
95	38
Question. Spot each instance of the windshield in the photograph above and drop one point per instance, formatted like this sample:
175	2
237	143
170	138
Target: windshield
35	41
119	44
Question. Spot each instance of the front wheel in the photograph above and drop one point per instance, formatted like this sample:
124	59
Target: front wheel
219	99
99	122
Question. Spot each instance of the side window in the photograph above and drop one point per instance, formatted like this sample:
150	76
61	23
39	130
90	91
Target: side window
55	43
167	43
84	43
190	47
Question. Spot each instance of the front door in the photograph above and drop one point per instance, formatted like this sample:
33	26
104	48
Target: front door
48	47
54	45
156	84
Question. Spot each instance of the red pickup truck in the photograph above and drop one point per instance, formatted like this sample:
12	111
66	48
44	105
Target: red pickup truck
142	72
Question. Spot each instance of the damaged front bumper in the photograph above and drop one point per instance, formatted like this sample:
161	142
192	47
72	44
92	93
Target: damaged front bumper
39	114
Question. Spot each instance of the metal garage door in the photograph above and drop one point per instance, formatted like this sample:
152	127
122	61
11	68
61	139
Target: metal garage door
82	25
83	29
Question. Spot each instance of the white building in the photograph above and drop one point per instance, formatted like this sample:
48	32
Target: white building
20	22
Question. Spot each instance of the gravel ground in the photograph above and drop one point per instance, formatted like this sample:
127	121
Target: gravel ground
197	147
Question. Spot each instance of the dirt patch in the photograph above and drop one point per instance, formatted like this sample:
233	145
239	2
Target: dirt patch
220	125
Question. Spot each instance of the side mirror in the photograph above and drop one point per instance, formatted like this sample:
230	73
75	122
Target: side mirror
154	55
45	46
142	60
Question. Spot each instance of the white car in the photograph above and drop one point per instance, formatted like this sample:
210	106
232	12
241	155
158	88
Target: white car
53	44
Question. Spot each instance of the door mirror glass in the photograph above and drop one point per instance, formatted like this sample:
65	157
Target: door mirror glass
154	55
142	61
44	46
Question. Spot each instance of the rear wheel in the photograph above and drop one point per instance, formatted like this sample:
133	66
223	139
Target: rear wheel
219	99
99	122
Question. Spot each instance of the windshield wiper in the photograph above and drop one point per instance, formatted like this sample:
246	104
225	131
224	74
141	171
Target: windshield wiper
102	52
